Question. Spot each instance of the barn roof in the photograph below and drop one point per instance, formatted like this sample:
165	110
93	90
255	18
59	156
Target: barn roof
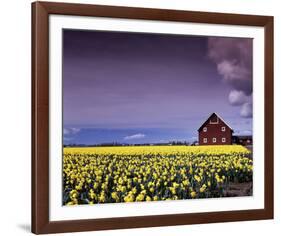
218	117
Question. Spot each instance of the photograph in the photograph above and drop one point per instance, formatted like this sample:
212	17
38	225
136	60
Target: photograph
152	117
155	117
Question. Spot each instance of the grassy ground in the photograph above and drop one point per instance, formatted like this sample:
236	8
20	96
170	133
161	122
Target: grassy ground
239	189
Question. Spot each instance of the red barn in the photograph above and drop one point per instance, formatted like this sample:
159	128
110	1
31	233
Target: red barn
215	131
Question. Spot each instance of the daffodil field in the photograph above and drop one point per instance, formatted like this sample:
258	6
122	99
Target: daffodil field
152	173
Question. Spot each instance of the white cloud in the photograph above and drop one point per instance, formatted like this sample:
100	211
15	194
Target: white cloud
238	97
135	136
247	110
67	139
243	132
194	138
69	131
232	71
75	130
65	131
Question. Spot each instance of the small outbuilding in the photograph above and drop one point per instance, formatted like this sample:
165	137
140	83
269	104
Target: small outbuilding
245	140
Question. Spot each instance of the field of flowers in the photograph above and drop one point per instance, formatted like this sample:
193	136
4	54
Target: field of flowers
151	173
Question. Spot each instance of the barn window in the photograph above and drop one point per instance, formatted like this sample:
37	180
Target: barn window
223	128
205	140
205	129
214	120
214	140
223	140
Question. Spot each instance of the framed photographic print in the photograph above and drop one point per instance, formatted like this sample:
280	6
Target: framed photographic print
149	117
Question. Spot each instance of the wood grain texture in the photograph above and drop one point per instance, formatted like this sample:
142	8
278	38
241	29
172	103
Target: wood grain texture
40	117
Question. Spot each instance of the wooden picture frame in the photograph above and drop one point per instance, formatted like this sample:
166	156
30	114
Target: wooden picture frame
40	117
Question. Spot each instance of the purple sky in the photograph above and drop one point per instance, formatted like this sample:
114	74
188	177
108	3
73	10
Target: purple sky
132	81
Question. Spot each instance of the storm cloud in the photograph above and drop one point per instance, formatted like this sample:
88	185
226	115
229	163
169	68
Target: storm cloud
233	58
